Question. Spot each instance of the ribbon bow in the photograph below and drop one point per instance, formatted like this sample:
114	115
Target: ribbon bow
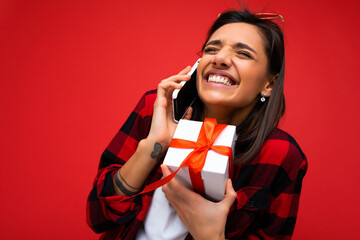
195	161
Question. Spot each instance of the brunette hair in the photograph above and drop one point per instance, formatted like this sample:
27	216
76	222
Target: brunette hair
265	116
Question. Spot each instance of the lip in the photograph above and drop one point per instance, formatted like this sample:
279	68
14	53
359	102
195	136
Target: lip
221	73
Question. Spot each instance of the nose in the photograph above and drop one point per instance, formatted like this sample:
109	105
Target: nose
222	59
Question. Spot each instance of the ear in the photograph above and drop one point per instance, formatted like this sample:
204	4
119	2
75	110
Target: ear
269	85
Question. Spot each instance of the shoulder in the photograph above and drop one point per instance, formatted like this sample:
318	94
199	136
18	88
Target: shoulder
281	150
150	95
146	103
280	136
138	123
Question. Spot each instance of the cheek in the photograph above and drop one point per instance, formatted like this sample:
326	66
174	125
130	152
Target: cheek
254	80
200	91
201	67
199	74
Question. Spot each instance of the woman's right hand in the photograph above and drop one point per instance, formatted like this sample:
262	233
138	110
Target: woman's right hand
150	150
162	125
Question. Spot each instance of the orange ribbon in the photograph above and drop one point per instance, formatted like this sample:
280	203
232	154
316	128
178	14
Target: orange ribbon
195	161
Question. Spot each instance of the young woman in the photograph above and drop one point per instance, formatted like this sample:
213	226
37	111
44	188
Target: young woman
240	81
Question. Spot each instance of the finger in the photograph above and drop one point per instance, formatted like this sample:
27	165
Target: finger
165	89
188	113
172	82
185	70
181	192
178	78
230	194
170	188
165	170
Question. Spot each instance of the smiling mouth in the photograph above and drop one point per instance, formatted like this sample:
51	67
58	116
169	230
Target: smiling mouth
215	78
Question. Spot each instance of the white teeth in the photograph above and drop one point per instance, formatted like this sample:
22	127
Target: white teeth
219	79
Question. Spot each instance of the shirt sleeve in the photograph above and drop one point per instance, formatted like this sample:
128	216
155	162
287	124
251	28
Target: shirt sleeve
106	210
268	201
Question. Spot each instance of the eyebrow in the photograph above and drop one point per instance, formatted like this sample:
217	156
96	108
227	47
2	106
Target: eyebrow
236	45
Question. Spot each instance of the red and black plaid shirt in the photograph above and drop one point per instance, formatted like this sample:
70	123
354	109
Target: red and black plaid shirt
268	187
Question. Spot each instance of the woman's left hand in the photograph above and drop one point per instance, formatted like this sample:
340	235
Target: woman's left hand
203	219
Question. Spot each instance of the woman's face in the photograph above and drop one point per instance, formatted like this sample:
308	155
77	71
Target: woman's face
232	71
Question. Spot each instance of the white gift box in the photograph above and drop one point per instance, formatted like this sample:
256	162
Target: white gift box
216	169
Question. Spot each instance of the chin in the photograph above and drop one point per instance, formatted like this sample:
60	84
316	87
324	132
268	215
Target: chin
214	99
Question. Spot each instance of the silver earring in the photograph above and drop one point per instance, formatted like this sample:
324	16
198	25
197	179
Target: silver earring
263	99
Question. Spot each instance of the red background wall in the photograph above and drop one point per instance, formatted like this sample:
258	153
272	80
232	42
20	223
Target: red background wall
71	72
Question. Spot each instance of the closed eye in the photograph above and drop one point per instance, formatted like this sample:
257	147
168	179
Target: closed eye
210	49
244	53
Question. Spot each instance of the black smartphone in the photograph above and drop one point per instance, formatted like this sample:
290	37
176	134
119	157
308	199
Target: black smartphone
184	97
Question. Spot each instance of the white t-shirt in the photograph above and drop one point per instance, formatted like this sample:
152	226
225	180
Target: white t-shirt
161	221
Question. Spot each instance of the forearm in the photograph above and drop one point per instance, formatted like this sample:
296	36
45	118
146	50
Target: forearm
131	177
136	170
